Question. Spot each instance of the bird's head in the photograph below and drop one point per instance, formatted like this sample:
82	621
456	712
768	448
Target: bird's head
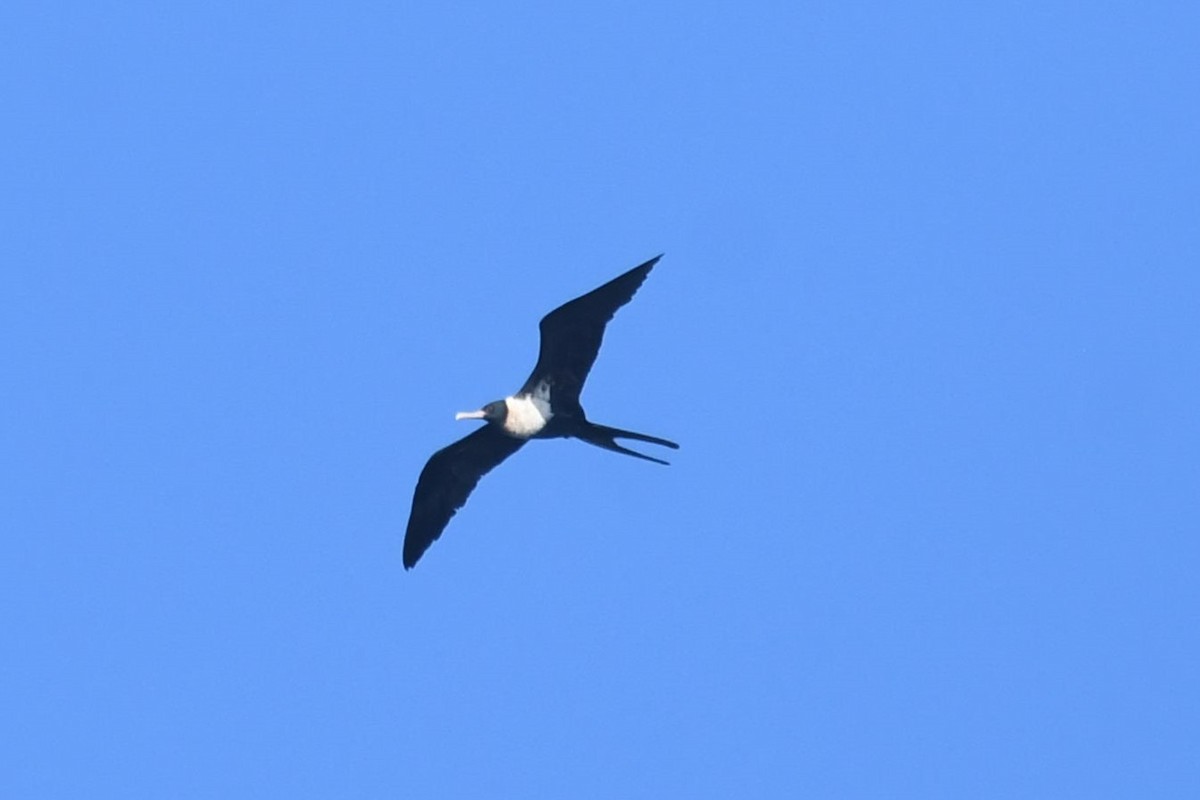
493	412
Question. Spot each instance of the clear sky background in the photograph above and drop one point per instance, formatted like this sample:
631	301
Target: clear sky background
927	328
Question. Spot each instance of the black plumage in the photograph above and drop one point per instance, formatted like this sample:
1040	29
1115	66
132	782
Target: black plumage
571	335
447	481
546	406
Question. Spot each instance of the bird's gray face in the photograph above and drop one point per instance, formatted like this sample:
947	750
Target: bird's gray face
493	412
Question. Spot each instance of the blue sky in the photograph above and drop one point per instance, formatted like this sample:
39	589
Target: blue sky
926	328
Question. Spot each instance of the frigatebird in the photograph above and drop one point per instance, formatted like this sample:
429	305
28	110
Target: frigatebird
546	406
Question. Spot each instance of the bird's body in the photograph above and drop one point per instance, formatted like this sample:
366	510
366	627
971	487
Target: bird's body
546	406
527	415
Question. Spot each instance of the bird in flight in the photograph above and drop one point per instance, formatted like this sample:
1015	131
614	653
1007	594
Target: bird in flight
546	407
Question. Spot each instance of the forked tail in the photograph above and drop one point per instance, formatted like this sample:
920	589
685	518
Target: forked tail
604	436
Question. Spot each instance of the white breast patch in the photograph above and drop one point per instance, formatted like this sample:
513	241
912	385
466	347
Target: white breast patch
528	414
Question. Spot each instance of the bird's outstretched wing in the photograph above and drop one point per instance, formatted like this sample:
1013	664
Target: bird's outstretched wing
571	335
447	481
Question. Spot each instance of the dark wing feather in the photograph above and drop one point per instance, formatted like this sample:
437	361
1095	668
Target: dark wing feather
446	483
571	334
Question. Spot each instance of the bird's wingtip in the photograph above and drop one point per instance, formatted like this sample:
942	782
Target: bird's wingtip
649	263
